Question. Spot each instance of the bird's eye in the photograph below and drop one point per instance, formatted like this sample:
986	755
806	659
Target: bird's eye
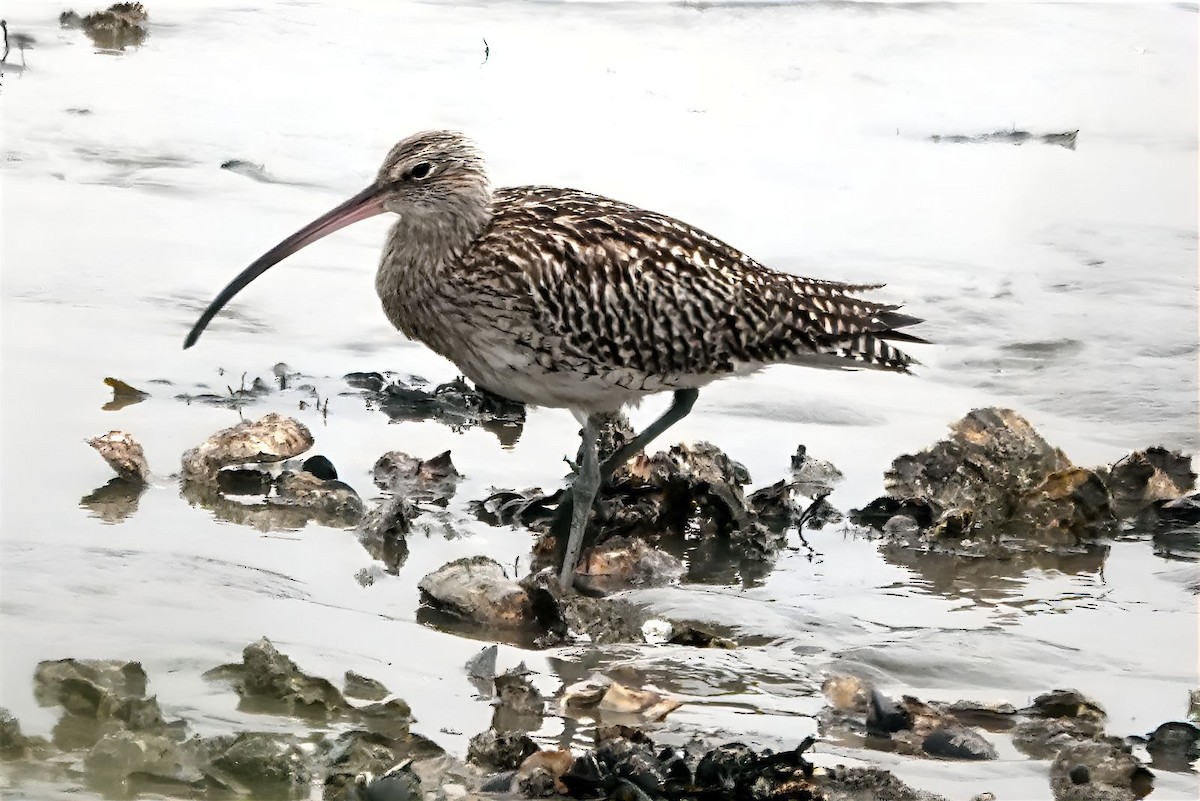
420	171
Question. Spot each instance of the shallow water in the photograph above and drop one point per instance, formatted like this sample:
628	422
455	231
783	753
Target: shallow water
1059	282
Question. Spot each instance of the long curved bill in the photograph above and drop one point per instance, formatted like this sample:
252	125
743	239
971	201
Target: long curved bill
366	203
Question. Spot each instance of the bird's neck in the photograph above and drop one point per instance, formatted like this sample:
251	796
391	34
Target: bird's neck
420	249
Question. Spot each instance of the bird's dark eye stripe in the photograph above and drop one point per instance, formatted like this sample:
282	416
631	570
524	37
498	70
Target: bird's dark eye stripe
420	171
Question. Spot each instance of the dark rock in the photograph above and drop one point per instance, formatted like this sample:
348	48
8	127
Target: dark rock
719	769
372	381
885	716
244	481
695	636
320	467
455	403
265	763
476	589
398	783
500	750
367	689
1174	745
1108	770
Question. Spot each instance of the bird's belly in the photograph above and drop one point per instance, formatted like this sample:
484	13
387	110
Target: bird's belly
526	375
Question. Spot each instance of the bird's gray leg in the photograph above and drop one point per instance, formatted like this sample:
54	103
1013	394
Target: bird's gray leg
680	406
583	494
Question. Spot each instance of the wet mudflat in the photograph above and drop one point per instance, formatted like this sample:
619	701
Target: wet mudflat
1057	281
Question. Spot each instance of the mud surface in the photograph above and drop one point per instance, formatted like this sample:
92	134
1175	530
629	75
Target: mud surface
1059	283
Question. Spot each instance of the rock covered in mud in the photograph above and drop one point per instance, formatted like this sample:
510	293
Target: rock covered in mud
272	438
993	485
124	454
477	589
1098	771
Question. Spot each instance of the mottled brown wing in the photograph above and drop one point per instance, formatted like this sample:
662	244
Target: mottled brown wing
628	288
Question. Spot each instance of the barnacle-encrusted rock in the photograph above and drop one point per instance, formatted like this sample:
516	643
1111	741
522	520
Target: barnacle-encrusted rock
124	454
272	438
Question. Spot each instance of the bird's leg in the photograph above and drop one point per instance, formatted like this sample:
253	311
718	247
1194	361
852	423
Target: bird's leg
583	494
680	406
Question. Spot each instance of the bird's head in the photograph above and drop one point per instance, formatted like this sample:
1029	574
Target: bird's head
437	176
431	171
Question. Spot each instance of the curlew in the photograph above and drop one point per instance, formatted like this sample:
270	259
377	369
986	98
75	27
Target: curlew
561	298
23	41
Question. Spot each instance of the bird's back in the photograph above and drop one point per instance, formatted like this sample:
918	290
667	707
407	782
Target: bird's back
659	303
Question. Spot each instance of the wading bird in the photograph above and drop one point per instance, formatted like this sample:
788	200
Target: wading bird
23	41
557	297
